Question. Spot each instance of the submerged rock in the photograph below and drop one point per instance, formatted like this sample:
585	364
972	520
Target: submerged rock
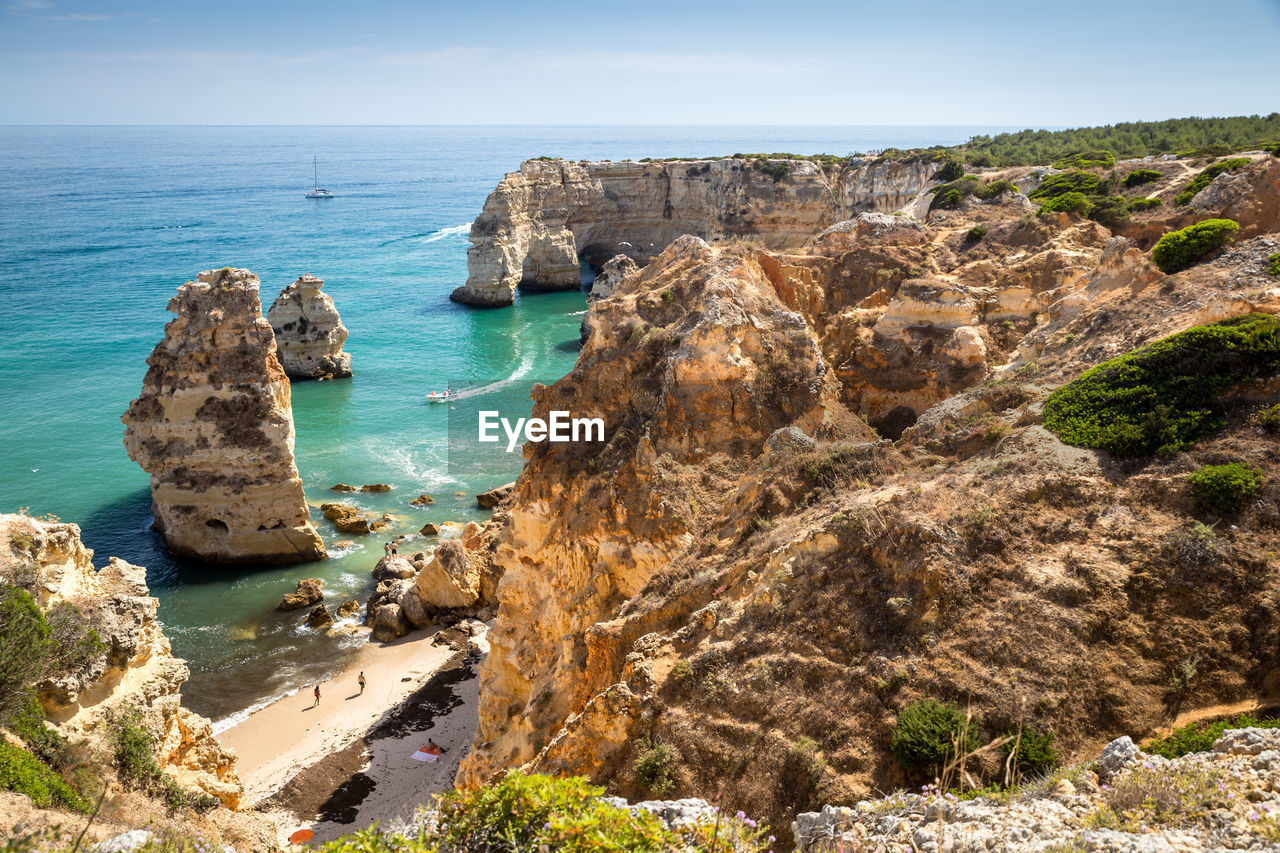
319	618
309	333
309	591
375	487
422	500
213	427
342	487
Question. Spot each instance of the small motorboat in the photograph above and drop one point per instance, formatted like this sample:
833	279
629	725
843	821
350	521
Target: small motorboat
440	396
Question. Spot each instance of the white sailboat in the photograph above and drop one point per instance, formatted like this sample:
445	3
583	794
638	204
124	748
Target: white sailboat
319	191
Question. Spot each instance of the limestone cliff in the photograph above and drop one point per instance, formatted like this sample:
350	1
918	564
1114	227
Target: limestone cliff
540	220
309	333
137	670
745	572
213	427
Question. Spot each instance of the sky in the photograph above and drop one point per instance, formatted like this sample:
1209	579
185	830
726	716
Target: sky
974	62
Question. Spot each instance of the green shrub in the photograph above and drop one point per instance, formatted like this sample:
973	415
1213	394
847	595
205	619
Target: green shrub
1273	264
1207	175
926	733
73	644
1035	751
1138	177
1268	418
1178	250
133	748
950	171
776	169
975	233
653	767
1109	210
528	812
1225	488
1053	186
1087	160
949	195
1067	203
27	722
24	648
22	772
1144	204
1164	395
995	188
1199	737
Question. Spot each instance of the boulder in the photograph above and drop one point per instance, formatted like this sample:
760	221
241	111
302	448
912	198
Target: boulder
375	487
334	510
472	536
353	524
430	529
414	609
611	275
450	579
319	618
309	591
1116	756
342	487
390	623
422	500
493	497
393	568
348	609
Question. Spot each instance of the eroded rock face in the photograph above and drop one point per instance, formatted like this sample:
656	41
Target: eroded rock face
213	427
309	333
662	371
137	670
540	220
611	275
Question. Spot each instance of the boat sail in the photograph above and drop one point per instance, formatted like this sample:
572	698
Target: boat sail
319	191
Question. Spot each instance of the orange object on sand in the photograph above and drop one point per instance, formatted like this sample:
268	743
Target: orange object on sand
301	836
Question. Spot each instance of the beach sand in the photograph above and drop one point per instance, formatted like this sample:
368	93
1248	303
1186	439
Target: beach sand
342	765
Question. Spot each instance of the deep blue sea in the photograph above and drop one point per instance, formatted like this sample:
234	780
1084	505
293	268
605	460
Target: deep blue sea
99	225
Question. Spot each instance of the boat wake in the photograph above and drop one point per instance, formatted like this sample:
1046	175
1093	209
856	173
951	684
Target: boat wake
432	236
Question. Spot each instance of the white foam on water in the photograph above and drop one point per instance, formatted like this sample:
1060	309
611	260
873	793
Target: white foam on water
426	476
220	726
453	231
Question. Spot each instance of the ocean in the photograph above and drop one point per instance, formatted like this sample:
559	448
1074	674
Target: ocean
99	226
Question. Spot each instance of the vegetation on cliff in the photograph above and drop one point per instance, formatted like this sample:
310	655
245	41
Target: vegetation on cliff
1178	250
1165	396
566	815
1194	136
1207	175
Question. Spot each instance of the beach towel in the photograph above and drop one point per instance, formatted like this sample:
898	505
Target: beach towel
427	753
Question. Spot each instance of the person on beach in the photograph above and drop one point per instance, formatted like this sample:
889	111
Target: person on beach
317	702
395	548
361	680
386	549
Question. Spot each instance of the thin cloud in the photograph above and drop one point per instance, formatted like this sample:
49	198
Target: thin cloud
37	10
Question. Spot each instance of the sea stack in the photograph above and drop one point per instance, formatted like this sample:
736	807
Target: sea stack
309	333
213	427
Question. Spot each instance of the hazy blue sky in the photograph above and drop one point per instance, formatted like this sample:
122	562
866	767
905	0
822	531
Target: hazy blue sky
1025	63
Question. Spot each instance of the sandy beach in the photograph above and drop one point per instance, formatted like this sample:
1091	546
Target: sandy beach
341	765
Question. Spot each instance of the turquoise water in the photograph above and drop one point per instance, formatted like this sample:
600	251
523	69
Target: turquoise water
98	226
